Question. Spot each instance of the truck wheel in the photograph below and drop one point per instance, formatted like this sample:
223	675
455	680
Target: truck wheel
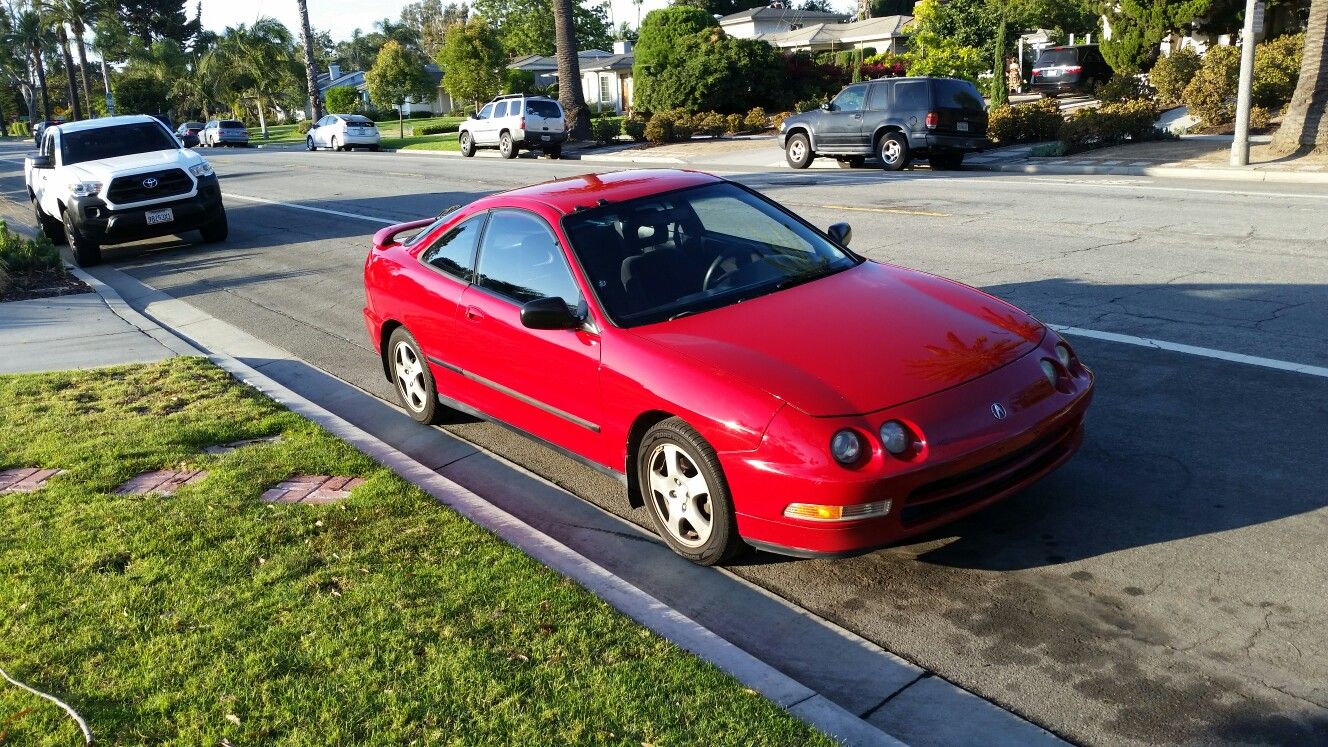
54	229
216	231
86	253
893	151
506	146
798	151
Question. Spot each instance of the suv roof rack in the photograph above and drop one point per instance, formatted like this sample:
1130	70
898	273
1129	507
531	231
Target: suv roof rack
509	96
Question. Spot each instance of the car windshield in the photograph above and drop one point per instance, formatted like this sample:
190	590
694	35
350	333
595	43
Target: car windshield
693	250
230	124
193	125
111	142
546	109
1054	57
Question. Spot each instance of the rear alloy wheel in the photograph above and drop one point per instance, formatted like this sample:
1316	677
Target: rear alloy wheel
52	228
798	151
86	253
216	231
467	144
684	489
335	147
946	161
412	377
893	151
506	146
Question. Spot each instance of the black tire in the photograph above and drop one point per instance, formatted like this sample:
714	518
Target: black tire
698	459
798	151
309	144
86	253
851	162
420	405
892	149
507	146
946	161
467	143
554	151
52	228
216	231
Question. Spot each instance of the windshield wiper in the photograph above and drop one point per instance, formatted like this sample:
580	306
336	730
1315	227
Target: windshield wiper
681	314
806	276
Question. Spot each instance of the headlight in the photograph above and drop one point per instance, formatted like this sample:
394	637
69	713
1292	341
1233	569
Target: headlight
202	169
84	189
895	437
1063	354
846	447
1049	370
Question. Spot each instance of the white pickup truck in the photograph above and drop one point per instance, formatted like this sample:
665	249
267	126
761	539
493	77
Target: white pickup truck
120	179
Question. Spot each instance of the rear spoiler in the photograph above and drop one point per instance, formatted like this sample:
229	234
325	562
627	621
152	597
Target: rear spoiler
387	237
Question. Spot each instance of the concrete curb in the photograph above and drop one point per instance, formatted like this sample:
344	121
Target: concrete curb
1168	172
799	700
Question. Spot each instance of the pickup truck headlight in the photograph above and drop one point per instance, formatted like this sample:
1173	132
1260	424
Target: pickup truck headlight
84	189
202	169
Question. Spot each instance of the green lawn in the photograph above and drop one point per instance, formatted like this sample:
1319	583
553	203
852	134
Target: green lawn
422	142
212	618
289	133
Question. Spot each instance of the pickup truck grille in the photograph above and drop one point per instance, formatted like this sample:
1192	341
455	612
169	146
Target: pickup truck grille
169	183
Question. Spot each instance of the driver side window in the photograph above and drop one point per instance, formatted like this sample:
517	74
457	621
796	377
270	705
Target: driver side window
520	258
850	99
486	111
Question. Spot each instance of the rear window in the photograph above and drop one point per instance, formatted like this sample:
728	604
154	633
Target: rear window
541	108
112	142
1055	57
359	121
231	124
958	94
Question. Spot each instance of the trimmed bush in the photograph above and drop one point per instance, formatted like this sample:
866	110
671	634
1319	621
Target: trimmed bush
635	128
778	119
1172	74
1026	123
304	125
684	125
659	128
1276	70
1001	125
1109	125
1211	95
756	119
20	254
420	115
605	129
1123	88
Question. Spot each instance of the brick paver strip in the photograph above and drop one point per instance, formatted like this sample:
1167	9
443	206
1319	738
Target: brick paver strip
315	489
162	482
226	448
25	479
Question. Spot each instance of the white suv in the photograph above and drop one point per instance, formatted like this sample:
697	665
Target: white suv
513	122
342	132
120	179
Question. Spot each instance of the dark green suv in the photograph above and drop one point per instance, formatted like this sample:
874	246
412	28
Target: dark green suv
893	119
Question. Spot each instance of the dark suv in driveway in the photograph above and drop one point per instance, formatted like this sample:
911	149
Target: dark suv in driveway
894	119
1079	69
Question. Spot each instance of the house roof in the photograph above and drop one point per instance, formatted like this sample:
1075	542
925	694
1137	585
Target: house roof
871	29
537	62
353	78
767	13
612	62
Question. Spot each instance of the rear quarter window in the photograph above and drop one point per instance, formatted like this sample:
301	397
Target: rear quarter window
958	94
912	95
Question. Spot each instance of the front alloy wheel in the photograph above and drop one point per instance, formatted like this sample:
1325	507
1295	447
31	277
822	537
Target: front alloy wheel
86	253
683	487
467	144
798	151
411	375
309	143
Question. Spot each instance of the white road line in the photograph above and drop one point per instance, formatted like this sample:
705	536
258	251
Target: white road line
340	213
1064	182
1177	347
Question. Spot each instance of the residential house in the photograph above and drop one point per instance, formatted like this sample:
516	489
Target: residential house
776	18
884	34
439	103
606	77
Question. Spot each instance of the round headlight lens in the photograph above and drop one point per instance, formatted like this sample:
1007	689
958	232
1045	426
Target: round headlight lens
846	447
1049	370
1063	354
895	437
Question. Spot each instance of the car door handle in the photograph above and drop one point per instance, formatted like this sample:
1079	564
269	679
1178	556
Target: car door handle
857	116
474	314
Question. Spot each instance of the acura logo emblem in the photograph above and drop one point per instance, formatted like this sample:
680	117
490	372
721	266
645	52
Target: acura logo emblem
150	183
998	411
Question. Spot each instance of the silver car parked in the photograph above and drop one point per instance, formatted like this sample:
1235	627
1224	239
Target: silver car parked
223	132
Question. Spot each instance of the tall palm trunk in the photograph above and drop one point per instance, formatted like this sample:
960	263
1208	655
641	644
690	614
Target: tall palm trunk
1306	122
83	63
569	72
310	69
40	67
62	37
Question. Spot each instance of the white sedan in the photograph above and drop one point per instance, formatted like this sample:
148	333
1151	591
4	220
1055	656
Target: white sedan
342	132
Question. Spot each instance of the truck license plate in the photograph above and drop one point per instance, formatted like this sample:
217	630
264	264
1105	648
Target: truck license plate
156	217
962	126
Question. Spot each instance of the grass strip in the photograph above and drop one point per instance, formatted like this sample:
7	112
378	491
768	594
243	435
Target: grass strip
384	619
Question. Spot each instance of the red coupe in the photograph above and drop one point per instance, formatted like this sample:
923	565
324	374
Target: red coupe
747	377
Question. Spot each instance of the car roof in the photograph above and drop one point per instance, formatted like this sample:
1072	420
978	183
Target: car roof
92	124
587	190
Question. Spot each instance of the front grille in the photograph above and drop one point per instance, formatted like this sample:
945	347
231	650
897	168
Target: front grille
950	494
170	182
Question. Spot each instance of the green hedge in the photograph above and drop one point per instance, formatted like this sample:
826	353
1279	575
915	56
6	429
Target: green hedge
1110	125
20	129
20	254
438	129
1026	123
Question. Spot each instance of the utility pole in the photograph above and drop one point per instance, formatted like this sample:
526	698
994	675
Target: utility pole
1240	146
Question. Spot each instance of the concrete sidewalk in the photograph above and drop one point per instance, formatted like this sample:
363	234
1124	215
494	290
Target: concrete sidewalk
71	332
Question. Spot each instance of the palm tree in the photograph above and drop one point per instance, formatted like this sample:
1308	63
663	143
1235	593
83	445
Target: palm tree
54	18
31	34
569	72
310	70
79	14
1305	124
254	63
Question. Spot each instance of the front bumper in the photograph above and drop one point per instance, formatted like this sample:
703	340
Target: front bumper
102	225
970	461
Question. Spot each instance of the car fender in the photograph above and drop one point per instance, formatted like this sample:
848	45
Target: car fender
804	127
887	124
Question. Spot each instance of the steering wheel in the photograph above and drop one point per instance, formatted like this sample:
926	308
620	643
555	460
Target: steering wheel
714	267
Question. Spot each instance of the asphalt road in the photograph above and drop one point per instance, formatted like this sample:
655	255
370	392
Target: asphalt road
1167	585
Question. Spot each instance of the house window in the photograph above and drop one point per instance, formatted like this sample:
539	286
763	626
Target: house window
604	95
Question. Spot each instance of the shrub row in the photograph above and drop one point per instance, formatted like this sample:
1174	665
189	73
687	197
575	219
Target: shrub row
1208	86
677	125
21	254
19	129
436	129
1027	123
1111	124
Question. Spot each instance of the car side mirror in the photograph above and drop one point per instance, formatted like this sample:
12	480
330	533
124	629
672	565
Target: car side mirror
548	313
474	115
842	233
827	107
42	161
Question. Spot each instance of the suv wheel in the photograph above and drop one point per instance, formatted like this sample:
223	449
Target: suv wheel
467	144
86	253
798	151
893	151
54	229
506	146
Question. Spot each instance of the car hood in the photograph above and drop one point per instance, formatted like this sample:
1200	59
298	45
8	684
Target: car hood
864	339
108	168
